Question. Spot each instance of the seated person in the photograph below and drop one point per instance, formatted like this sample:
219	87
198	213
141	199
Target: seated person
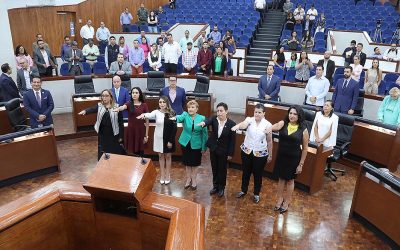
377	53
291	63
289	24
392	54
324	129
279	57
293	41
287	7
91	52
389	111
269	85
120	67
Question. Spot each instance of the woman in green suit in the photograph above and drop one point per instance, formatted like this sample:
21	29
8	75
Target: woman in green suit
193	140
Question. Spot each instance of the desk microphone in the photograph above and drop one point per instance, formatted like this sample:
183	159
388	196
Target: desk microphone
142	160
106	156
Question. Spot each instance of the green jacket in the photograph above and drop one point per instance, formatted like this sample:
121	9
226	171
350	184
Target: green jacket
198	137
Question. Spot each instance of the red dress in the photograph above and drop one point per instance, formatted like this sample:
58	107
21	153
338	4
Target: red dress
136	129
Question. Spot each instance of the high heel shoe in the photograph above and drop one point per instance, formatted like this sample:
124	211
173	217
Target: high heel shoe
167	181
187	185
162	181
278	208
193	187
283	210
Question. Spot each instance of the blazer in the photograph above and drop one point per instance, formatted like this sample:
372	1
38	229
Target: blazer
34	110
8	88
180	100
126	67
21	82
363	58
330	69
69	58
39	60
272	89
123	98
198	137
345	99
225	144
223	65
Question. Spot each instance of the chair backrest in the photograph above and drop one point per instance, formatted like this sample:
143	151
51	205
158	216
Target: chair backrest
359	110
126	82
83	84
202	84
155	80
15	114
309	116
345	128
100	68
64	69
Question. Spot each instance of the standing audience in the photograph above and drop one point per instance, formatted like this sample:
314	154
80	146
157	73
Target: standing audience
389	111
269	85
87	32
91	52
324	128
171	53
189	59
8	88
74	57
373	78
303	68
345	96
136	58
218	63
125	20
317	88
204	59
44	60
25	76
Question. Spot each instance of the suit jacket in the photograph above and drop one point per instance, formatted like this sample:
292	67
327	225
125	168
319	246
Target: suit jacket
69	58
345	99
223	65
272	89
21	82
126	67
34	110
198	137
39	60
330	69
123	98
8	88
180	100
363	58
225	144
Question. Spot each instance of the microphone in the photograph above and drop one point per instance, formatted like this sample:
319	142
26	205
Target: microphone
142	160
106	156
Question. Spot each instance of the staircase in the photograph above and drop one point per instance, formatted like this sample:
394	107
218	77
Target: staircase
266	40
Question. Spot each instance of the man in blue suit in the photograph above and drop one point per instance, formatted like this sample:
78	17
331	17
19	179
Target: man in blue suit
346	92
177	94
120	94
269	85
39	104
8	88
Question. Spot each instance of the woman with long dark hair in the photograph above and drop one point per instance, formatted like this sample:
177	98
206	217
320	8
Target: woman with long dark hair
218	64
373	78
164	136
324	129
109	125
20	53
292	152
303	68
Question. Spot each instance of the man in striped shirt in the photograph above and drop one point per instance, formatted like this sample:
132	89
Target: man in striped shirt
189	59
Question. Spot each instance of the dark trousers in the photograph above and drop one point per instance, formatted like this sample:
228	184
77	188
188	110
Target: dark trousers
191	71
75	70
102	46
125	27
170	68
206	72
49	71
218	166
252	165
85	41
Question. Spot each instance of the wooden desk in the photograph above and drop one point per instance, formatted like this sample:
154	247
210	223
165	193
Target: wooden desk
5	126
28	156
85	122
313	171
369	142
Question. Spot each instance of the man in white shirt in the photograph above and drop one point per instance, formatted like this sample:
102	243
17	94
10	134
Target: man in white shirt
392	54
171	52
185	40
87	32
25	76
313	13
260	5
91	52
317	88
102	35
298	14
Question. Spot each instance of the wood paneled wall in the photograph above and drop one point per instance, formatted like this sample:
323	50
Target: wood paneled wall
25	23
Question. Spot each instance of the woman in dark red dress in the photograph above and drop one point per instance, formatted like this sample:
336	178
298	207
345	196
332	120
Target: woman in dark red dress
137	133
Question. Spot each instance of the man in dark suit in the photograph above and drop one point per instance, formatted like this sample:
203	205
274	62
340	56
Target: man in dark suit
74	57
348	52
269	85
329	66
358	52
180	95
39	104
120	94
346	92
222	145
44	60
25	76
8	87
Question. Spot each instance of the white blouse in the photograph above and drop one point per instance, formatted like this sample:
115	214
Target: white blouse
255	138
324	124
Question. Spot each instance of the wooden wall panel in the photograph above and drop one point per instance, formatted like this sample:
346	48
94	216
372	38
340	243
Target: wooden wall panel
25	23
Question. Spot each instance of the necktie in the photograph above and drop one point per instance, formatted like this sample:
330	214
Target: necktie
269	80
74	57
116	94
345	84
38	99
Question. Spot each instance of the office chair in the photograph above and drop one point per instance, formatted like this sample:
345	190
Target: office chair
126	82
202	84
83	84
309	116
155	80
15	115
343	140
359	109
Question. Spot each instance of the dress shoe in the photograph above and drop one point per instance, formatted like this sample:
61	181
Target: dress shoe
278	208
188	184
256	199
282	210
213	191
240	194
221	192
193	187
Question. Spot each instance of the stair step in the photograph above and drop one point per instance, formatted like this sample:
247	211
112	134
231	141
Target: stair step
255	72
257	68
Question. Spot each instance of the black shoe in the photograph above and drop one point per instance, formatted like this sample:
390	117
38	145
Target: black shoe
213	191
256	199
221	192
240	194
278	208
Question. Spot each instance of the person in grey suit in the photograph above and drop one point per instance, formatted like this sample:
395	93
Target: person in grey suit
25	76
269	85
44	60
120	67
74	57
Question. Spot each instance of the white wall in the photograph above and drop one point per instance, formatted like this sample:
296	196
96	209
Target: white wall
7	49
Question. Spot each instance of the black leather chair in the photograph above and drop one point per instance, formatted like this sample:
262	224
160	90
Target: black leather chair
155	80
126	82
15	115
343	140
202	84
309	116
83	84
359	110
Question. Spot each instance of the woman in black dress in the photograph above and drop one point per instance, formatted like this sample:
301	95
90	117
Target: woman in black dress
109	125
292	152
